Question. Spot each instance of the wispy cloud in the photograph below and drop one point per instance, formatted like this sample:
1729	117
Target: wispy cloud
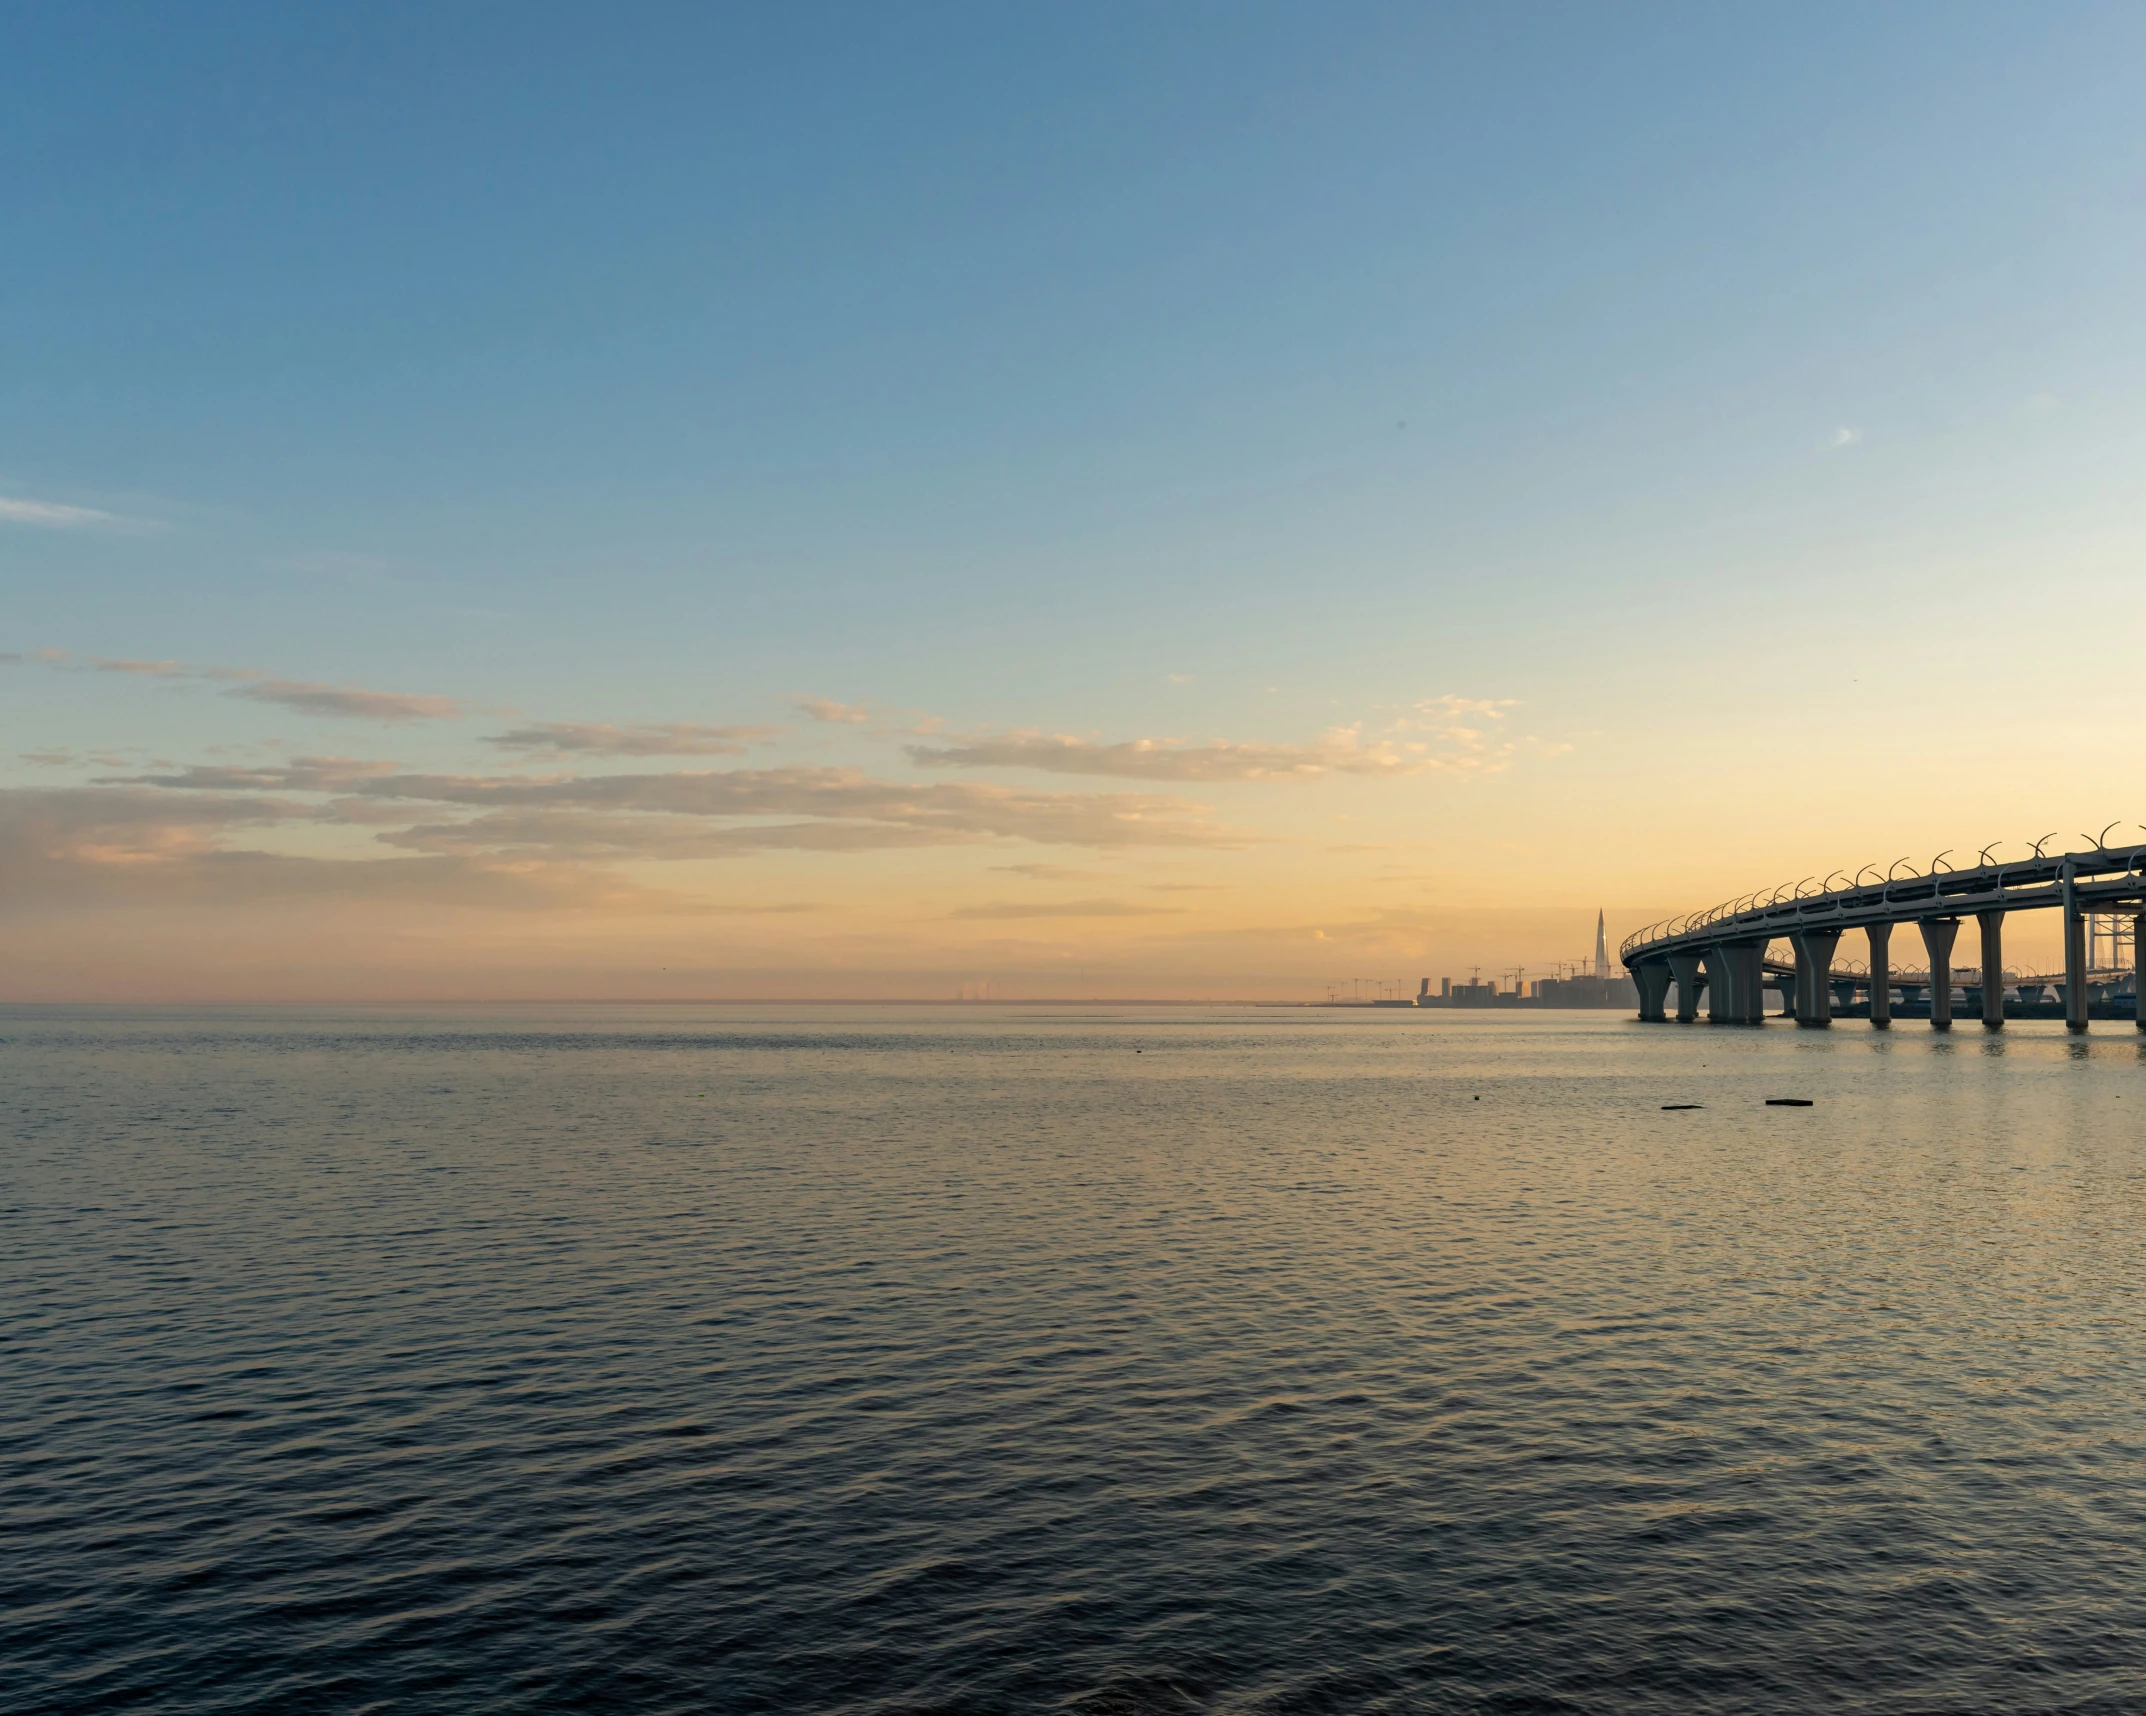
307	696
1440	735
1137	759
349	701
1066	909
51	515
120	824
716	814
967	810
1845	437
146	669
674	739
827	709
114	846
299	774
582	836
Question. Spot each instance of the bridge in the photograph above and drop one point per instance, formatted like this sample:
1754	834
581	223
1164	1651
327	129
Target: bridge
1722	951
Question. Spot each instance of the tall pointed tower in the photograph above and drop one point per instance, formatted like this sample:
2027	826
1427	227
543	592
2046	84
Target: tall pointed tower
1601	950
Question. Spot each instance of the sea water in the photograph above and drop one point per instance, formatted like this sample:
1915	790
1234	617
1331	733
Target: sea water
1048	1358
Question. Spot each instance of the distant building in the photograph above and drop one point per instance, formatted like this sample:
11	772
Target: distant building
1586	991
1596	988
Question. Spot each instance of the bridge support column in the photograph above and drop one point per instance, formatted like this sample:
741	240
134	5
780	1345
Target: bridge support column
2074	962
1742	966
1881	976
1992	969
1720	999
1788	989
2138	968
1652	978
1814	975
1684	970
1938	935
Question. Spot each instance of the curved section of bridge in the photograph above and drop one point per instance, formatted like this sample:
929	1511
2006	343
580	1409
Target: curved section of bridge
1721	952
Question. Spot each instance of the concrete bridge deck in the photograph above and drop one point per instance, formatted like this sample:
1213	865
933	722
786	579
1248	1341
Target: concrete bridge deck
1722	951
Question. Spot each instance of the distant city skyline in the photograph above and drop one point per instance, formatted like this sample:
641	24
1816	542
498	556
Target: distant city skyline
1076	501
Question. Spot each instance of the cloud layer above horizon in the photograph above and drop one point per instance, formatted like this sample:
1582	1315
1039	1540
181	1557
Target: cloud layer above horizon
372	831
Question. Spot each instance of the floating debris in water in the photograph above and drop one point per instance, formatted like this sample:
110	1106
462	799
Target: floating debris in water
1673	1107
1788	1102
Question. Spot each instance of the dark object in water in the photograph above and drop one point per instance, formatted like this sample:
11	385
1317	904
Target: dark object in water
1672	1107
1788	1102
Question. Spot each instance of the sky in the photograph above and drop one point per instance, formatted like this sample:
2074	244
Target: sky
1056	500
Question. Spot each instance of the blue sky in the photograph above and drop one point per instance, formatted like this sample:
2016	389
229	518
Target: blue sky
1157	373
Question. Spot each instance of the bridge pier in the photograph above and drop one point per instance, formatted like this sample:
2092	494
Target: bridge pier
1652	978
1684	968
1992	923
1742	968
1814	975
1881	976
1938	935
2138	968
2074	966
1757	1014
1720	987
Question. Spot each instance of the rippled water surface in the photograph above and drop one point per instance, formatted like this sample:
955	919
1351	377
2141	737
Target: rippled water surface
991	1359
